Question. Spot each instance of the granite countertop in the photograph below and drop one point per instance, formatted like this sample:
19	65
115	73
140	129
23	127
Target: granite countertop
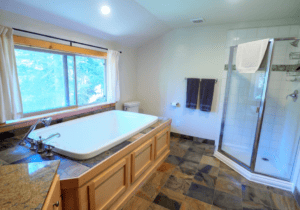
25	186
12	153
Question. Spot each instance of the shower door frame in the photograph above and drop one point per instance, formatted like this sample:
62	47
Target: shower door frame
251	168
260	113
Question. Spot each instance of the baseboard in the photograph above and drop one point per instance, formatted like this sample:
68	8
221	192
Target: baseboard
193	138
261	179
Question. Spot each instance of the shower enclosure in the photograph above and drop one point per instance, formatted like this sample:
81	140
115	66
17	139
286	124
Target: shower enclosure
261	114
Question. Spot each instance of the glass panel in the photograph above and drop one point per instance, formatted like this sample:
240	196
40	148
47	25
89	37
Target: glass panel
42	80
245	93
280	129
90	80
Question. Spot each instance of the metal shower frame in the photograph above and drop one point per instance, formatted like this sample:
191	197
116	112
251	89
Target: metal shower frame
251	168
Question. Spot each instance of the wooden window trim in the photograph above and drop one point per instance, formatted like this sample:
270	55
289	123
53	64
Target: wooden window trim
37	43
65	112
24	122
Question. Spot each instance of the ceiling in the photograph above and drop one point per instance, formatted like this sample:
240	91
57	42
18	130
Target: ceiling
133	22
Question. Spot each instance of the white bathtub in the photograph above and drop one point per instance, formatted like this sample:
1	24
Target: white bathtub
89	136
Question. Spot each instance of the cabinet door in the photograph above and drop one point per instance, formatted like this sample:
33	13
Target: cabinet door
161	142
53	200
141	159
109	185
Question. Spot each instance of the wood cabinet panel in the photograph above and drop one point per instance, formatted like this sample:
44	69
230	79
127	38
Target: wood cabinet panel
162	142
141	159
109	185
53	200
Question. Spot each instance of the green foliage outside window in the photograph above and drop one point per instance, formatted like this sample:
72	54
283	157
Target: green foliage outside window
47	80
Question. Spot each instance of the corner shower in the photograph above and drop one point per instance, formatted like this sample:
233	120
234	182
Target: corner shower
261	113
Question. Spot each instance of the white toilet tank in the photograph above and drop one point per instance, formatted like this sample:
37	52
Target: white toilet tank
132	106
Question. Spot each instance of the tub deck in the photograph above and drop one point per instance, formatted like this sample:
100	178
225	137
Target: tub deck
69	167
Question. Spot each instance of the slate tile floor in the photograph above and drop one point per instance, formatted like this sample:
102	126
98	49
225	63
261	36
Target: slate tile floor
192	179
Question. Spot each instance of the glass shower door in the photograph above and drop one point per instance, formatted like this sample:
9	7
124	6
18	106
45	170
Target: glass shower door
281	121
241	112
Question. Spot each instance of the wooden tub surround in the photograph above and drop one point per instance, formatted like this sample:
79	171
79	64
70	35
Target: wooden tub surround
112	182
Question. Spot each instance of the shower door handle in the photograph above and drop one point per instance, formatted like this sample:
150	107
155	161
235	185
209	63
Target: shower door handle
257	109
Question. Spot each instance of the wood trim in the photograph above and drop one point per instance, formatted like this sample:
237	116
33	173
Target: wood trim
133	155
114	198
26	41
93	172
55	187
160	134
91	198
57	115
127	172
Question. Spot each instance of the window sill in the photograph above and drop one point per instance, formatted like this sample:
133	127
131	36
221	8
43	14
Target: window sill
28	121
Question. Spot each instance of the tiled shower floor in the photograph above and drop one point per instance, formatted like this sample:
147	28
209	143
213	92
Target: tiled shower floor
272	167
191	179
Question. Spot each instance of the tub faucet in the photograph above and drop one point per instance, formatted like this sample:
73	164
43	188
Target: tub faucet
40	144
46	121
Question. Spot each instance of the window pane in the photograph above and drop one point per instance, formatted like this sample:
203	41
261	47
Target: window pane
42	80
71	80
90	80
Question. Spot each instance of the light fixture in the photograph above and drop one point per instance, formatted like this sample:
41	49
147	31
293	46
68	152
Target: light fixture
105	10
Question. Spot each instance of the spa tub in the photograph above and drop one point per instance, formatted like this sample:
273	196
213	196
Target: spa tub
89	136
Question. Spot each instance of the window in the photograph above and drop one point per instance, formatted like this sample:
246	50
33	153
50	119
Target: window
52	80
90	80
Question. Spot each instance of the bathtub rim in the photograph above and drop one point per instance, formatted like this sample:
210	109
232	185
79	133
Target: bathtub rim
95	152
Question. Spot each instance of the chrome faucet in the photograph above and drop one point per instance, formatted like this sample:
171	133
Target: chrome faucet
46	121
41	147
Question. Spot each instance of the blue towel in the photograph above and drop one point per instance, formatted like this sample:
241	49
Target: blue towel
207	87
192	93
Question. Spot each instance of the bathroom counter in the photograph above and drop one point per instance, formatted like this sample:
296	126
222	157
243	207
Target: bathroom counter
25	186
12	153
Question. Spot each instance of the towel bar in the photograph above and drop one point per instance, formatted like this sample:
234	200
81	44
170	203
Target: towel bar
216	80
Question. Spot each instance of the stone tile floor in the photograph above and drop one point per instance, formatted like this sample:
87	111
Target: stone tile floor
191	179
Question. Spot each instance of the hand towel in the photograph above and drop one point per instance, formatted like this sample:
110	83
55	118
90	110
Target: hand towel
250	55
192	93
207	87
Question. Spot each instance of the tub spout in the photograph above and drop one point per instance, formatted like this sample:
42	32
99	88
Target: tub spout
45	121
51	136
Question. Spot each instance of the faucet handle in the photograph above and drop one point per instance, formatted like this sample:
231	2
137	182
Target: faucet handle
32	145
40	145
49	149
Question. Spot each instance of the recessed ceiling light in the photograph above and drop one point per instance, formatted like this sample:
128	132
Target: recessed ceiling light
105	10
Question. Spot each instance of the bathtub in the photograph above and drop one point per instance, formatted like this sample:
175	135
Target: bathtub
89	136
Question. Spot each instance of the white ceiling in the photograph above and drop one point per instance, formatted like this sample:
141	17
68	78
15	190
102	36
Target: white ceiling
177	13
133	22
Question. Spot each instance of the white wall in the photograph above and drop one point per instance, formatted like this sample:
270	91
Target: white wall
128	61
164	62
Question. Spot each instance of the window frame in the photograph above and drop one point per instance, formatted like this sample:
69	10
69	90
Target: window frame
76	106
